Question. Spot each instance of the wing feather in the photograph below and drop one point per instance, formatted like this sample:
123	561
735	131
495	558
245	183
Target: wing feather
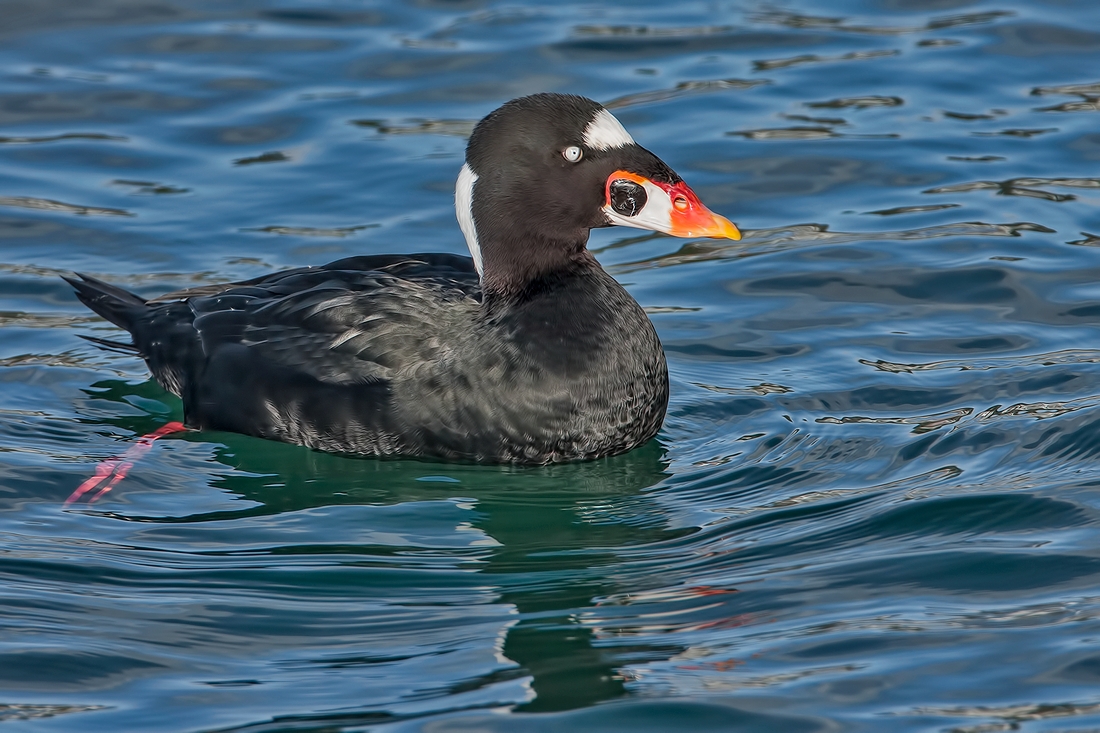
342	326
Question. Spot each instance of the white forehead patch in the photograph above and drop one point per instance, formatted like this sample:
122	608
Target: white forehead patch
605	132
464	209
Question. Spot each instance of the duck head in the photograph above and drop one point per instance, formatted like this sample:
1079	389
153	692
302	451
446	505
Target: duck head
542	171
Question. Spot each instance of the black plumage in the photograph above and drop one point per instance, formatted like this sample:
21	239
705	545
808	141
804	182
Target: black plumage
541	357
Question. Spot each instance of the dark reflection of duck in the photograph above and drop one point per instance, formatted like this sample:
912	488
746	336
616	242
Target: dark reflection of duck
549	561
528	352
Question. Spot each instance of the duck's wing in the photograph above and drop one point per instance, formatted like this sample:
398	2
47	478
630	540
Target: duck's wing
349	322
312	355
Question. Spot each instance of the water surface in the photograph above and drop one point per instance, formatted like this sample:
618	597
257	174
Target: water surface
875	503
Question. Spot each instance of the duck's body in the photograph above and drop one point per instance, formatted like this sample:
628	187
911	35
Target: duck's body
528	352
401	355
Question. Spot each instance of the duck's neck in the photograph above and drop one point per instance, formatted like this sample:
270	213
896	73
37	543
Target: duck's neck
512	251
511	268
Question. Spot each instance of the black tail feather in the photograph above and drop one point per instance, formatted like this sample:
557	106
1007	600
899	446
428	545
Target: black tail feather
110	301
116	346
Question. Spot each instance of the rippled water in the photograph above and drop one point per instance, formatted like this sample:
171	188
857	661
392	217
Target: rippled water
875	504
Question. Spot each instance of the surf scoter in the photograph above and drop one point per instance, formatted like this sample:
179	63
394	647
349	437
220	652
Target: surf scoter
527	352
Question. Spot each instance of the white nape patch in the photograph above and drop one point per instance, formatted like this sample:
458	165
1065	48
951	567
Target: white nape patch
656	215
605	132
464	209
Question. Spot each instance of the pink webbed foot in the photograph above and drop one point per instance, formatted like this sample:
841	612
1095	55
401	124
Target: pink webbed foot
108	473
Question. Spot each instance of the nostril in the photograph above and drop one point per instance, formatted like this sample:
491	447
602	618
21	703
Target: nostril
627	197
680	203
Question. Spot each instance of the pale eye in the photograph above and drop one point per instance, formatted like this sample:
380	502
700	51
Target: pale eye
572	153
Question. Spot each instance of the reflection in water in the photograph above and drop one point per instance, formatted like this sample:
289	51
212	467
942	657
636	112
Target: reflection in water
758	242
913	209
788	133
458	128
27	202
683	89
858	102
339	232
30	140
547	558
796	20
813	58
149	187
1023	187
276	156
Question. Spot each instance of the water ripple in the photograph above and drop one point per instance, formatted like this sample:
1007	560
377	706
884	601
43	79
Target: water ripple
30	202
858	102
757	242
819	22
38	712
1029	187
813	58
338	232
1065	356
682	89
35	140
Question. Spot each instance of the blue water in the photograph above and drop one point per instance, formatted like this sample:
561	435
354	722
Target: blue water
875	503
